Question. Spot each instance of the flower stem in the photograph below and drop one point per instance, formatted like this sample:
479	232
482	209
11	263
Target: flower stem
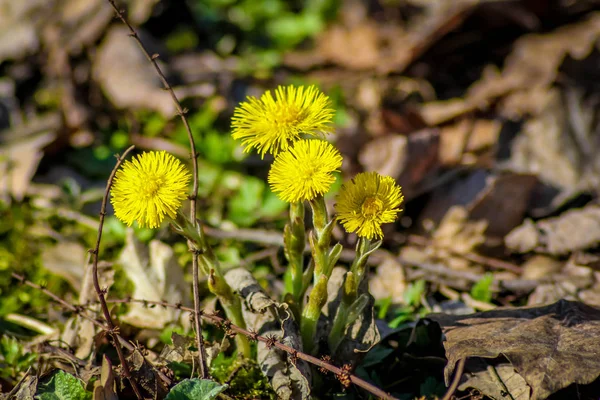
324	260
310	316
350	291
208	263
294	242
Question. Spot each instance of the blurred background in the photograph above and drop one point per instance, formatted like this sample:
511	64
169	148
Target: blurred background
486	112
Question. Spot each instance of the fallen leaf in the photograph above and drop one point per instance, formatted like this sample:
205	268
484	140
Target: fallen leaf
19	159
389	281
530	69
66	259
126	76
154	271
551	347
496	381
503	202
146	375
104	388
574	230
79	333
409	159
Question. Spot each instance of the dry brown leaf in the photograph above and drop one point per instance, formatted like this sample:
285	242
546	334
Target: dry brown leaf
19	159
154	271
574	230
529	71
551	347
389	281
503	202
409	159
104	388
495	381
467	136
382	47
79	333
126	77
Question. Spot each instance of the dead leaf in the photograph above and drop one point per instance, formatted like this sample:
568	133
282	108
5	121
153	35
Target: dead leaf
574	230
289	378
457	233
79	333
383	47
19	159
104	388
154	271
18	35
146	375
528	72
495	381
409	159
503	202
28	388
126	77
466	136
551	347
66	259
389	281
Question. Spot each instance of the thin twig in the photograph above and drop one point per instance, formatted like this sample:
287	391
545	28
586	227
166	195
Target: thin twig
194	157
216	320
220	321
112	328
78	310
457	375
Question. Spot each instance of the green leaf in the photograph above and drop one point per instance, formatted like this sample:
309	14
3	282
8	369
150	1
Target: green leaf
412	295
195	389
481	291
62	386
244	204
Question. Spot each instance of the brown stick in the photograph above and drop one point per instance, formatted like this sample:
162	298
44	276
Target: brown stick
270	341
194	156
218	321
457	375
112	328
79	311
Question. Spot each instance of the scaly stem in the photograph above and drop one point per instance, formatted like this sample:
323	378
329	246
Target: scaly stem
208	262
310	316
294	241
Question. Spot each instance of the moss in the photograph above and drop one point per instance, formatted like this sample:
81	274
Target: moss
244	378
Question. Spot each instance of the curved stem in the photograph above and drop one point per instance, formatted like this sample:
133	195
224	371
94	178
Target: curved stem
112	328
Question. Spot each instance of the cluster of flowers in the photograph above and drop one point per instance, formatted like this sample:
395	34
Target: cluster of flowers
290	126
154	184
303	168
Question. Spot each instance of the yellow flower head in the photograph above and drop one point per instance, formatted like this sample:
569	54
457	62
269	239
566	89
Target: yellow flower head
271	124
366	202
151	186
304	171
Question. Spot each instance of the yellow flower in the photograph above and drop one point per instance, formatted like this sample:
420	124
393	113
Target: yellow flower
151	186
271	124
366	202
305	170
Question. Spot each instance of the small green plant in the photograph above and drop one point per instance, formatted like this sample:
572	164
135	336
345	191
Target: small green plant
482	290
13	359
62	386
192	389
